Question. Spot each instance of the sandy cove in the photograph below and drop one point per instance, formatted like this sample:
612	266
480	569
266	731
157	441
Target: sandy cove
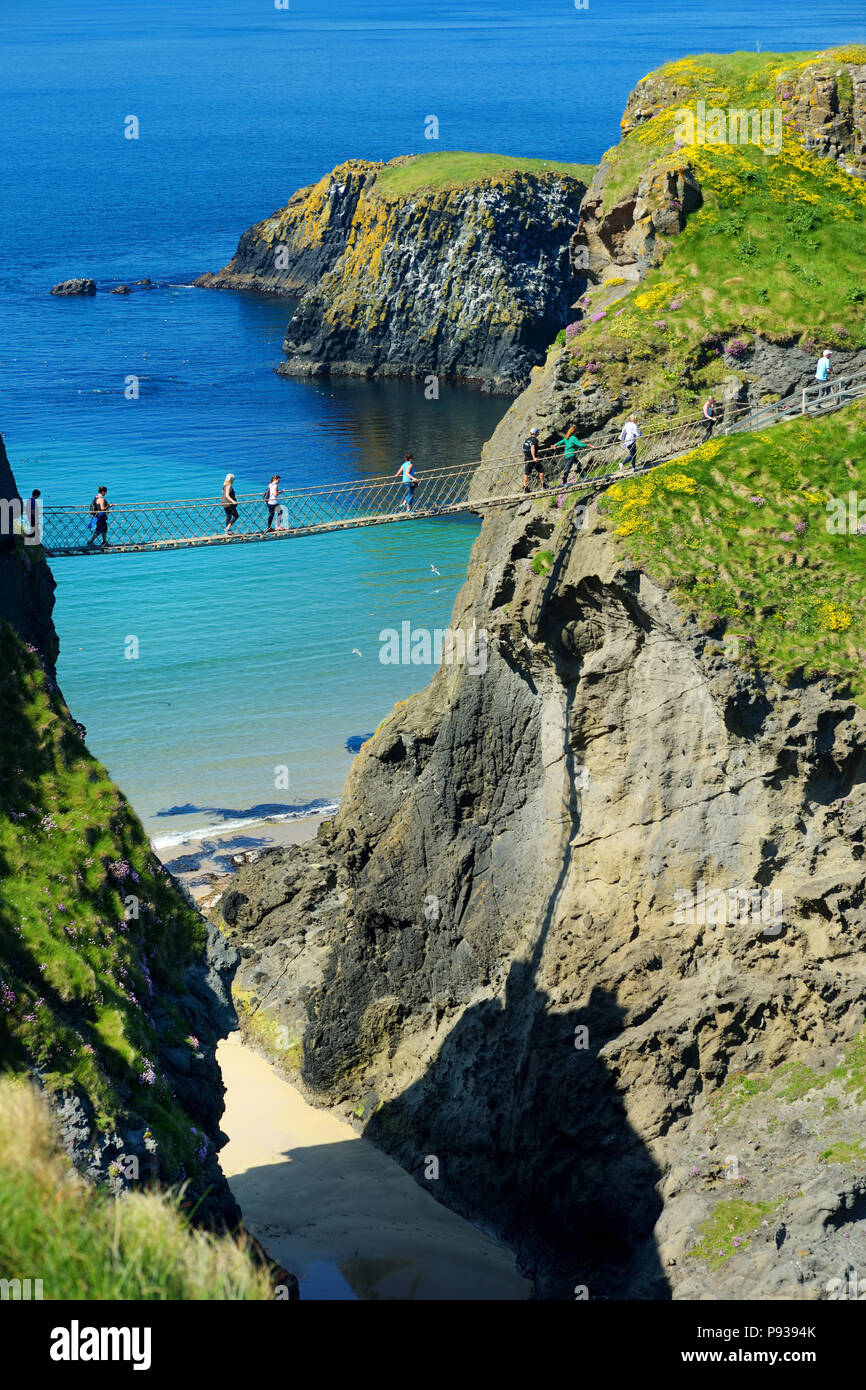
341	1215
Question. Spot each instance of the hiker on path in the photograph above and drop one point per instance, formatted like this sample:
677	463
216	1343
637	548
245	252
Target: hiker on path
99	509
406	474
30	514
532	461
229	502
629	436
571	444
709	417
270	495
822	372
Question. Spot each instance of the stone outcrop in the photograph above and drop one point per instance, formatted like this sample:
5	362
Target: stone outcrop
290	251
635	233
827	103
504	873
26	583
470	283
72	287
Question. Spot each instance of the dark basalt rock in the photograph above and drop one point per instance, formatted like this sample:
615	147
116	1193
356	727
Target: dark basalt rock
470	283
73	287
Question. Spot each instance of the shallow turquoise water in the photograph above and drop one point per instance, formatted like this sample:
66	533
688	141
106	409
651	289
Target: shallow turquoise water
246	658
224	682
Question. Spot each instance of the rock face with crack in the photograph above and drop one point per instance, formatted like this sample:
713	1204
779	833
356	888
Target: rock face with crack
486	955
589	925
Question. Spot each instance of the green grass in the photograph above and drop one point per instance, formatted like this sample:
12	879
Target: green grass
793	1081
765	572
81	976
843	1152
84	1244
852	1070
446	169
729	1229
737	1090
542	562
775	250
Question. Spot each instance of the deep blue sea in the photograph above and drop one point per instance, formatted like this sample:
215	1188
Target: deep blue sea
248	658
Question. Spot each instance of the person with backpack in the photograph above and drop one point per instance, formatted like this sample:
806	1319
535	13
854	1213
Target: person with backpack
571	444
629	436
229	502
532	461
709	417
406	474
270	495
99	509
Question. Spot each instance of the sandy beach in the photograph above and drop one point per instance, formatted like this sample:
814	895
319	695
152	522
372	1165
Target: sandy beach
204	865
342	1216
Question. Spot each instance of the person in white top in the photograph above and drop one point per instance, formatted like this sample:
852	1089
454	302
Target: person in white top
271	493
629	436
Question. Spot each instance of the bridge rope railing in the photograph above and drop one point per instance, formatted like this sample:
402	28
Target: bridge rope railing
452	488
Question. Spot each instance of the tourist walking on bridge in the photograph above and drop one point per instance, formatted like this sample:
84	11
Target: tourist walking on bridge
30	514
406	474
532	460
571	444
230	502
270	495
629	436
99	509
709	414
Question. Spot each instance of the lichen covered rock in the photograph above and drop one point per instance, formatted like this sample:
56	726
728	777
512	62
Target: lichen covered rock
470	282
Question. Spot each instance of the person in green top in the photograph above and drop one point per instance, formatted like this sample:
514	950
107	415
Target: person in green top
571	444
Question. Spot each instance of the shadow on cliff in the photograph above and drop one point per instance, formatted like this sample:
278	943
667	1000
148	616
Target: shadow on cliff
532	1138
518	1107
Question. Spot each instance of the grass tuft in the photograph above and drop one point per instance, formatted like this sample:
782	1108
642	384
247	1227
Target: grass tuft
84	1244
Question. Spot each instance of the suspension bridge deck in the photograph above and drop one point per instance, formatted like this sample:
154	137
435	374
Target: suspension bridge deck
466	487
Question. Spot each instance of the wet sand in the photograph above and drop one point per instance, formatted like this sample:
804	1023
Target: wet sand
206	865
338	1213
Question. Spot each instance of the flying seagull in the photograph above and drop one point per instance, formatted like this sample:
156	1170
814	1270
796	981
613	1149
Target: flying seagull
435	571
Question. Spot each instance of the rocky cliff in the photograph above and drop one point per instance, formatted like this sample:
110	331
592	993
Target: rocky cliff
468	278
113	990
713	267
589	926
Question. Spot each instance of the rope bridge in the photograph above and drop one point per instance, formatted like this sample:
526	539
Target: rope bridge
180	524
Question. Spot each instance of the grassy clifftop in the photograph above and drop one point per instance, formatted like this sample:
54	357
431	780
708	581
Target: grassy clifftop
451	169
83	1244
757	537
774	251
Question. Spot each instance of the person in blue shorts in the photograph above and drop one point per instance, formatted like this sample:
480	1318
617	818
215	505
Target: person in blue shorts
406	474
